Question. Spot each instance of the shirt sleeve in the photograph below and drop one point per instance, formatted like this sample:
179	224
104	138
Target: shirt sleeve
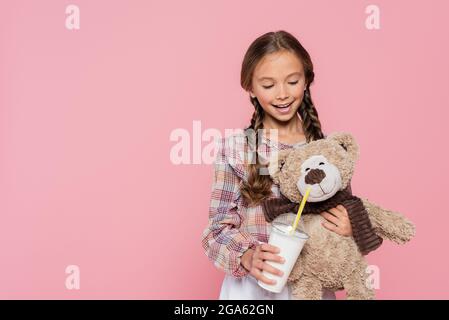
224	243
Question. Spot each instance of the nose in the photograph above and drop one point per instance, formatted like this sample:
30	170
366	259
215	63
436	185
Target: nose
315	176
282	94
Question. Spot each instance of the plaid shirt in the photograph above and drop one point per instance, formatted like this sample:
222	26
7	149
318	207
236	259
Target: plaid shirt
233	227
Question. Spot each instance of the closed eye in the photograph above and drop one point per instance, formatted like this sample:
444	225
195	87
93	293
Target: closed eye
292	83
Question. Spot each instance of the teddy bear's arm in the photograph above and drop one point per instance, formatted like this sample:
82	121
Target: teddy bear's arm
388	224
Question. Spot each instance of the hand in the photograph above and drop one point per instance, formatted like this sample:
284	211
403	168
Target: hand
253	261
337	220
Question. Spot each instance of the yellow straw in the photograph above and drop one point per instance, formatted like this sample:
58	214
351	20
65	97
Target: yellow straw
301	207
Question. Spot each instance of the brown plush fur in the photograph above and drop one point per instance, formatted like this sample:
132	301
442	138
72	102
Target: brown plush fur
329	260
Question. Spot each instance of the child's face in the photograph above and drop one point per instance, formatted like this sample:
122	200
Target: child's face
278	80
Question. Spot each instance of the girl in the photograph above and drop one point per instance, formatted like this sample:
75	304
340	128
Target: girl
277	72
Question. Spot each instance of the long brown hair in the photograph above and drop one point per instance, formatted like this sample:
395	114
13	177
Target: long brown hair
258	187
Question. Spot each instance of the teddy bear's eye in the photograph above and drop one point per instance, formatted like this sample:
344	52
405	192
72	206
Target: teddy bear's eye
281	165
307	169
321	163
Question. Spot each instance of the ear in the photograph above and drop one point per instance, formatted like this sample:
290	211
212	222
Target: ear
347	142
276	163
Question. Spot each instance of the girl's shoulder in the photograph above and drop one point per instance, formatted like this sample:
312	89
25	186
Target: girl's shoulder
236	142
232	151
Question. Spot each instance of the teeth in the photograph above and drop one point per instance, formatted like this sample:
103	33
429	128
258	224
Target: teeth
282	105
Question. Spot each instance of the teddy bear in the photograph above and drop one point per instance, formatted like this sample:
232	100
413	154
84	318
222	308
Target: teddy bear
329	260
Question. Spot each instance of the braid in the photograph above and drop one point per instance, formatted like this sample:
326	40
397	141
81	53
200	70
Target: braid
258	187
258	115
310	122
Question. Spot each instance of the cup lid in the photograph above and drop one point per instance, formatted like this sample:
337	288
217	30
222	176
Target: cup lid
283	228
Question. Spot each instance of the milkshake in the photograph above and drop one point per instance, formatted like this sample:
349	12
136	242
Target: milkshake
290	247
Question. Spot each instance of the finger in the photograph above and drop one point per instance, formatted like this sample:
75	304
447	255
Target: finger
259	276
270	248
272	270
343	211
330	217
330	226
272	257
336	212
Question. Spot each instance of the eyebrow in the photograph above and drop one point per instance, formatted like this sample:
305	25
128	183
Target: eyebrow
269	78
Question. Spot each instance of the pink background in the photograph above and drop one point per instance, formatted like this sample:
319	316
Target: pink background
86	115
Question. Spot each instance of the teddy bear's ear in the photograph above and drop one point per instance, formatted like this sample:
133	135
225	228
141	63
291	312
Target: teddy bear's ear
276	163
347	142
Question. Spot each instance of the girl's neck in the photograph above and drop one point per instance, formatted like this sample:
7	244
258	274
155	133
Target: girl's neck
286	130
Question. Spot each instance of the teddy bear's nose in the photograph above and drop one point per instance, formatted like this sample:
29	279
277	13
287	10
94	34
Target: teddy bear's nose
315	176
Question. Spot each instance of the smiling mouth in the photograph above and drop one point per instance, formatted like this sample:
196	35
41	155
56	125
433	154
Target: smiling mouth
324	193
282	106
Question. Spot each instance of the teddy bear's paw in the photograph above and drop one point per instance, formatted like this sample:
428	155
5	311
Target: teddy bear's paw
360	293
306	289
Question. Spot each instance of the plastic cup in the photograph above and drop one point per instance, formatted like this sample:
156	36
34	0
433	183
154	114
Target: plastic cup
290	247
